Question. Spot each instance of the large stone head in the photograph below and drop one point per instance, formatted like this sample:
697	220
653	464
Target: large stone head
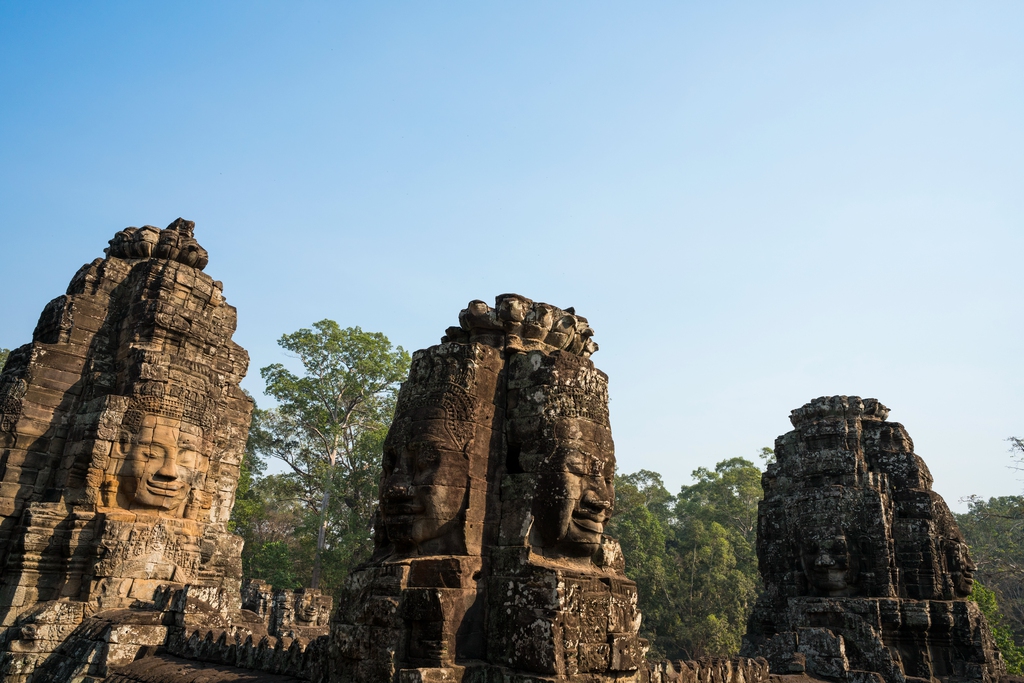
574	502
438	442
162	458
830	558
126	404
960	567
559	436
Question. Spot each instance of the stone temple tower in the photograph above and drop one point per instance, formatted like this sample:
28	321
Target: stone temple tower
866	574
491	563
122	426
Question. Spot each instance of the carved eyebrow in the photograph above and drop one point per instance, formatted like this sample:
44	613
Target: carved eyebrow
152	449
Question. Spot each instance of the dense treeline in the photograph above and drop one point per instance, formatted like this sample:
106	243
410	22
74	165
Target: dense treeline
994	530
692	553
692	556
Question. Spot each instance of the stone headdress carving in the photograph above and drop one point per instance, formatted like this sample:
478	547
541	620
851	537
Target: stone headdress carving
194	410
175	243
520	324
441	382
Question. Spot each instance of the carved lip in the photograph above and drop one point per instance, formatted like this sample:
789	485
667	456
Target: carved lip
588	523
832	579
163	489
403	509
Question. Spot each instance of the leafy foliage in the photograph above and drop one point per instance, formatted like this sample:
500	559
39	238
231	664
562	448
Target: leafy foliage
265	516
994	529
692	556
328	427
1012	653
3	356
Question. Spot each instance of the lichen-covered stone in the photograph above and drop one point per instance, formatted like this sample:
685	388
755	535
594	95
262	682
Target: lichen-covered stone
865	571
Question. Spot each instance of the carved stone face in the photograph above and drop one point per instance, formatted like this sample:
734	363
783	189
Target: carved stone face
830	565
424	486
574	503
306	607
961	568
161	466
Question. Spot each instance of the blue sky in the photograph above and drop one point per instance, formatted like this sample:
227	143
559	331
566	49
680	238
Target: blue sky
754	203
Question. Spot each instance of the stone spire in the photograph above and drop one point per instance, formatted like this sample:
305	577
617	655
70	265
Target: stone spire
865	571
497	485
123	426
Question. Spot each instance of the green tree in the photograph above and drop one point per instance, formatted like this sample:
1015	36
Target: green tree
266	513
994	530
713	543
729	496
3	356
692	556
640	524
1012	653
328	427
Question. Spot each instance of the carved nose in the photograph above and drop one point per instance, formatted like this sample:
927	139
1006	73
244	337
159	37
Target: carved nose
591	501
399	490
169	469
825	560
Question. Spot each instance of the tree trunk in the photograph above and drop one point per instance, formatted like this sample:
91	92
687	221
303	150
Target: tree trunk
321	536
320	539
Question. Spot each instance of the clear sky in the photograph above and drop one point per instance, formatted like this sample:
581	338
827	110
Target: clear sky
754	203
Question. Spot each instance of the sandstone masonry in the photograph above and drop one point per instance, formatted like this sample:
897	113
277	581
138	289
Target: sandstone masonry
866	573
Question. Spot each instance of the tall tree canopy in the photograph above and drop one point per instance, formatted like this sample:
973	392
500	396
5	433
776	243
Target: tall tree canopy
328	427
692	556
994	529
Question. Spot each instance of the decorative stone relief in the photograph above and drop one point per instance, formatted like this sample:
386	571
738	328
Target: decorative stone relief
491	562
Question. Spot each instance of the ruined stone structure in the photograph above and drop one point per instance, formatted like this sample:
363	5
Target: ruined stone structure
122	426
491	563
121	435
865	570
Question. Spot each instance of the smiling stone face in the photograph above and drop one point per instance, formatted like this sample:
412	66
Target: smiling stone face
574	502
161	466
563	449
436	454
830	564
961	567
424	485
